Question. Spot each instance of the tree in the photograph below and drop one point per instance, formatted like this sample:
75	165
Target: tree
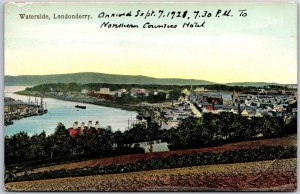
290	125
174	94
37	150
62	144
118	139
18	145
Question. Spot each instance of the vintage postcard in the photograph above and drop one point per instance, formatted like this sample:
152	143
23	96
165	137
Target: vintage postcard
150	96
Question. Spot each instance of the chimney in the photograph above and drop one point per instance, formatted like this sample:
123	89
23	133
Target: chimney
82	126
75	125
90	123
97	125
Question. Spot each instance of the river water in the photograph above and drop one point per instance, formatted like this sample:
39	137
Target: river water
66	113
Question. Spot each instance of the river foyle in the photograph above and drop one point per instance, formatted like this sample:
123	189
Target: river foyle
66	113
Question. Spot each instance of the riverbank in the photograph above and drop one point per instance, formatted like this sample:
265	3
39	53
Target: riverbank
66	113
82	98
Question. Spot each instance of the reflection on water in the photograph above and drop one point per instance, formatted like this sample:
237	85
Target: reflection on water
65	112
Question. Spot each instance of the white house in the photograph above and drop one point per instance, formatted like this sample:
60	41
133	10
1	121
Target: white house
84	91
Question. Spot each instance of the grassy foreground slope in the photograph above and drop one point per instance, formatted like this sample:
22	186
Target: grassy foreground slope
279	175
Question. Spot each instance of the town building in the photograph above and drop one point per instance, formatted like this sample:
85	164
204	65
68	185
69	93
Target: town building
138	92
85	91
103	91
12	105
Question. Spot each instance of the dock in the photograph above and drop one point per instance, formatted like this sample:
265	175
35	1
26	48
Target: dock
17	109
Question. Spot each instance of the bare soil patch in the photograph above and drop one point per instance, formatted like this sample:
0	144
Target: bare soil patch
277	175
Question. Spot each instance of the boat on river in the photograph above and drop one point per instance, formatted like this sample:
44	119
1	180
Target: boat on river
80	106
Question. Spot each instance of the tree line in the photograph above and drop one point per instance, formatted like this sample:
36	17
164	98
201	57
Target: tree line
38	149
210	130
217	129
76	87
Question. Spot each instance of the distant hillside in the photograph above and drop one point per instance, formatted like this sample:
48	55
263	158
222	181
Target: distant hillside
84	78
30	80
254	84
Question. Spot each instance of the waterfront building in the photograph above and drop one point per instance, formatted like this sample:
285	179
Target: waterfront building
11	105
104	91
119	93
85	91
138	92
200	89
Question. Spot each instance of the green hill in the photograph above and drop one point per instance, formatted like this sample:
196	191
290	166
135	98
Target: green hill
29	80
254	84
88	77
